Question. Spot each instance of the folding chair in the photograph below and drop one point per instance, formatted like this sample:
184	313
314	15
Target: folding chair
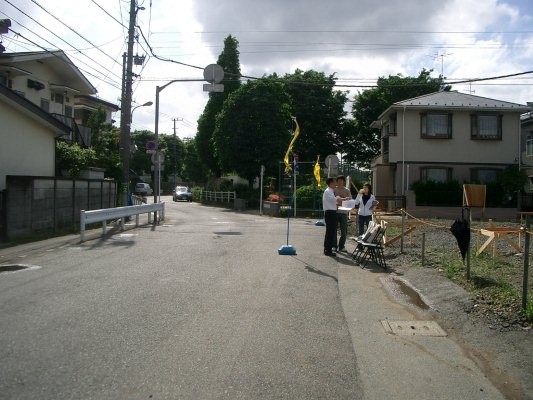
370	248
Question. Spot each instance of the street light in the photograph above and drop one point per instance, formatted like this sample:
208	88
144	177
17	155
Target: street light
217	74
147	104
157	171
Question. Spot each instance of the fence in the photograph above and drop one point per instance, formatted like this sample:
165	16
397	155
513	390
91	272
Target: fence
45	204
222	197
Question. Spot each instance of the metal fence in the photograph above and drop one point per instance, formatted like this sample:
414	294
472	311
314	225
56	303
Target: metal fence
45	204
214	196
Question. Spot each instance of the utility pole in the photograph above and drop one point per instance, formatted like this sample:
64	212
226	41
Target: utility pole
125	106
175	156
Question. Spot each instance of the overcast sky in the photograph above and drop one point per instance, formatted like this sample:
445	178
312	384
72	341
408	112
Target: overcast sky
358	40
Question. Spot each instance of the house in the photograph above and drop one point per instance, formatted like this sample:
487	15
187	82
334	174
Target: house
28	136
526	122
50	80
443	136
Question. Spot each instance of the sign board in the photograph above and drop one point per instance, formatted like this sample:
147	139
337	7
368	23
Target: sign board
213	87
158	157
213	73
151	147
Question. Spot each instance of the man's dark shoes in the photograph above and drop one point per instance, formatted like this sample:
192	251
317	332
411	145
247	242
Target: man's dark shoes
342	249
330	253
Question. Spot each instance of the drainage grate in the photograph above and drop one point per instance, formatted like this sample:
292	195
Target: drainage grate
413	328
16	267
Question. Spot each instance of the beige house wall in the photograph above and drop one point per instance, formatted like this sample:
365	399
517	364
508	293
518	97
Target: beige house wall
28	147
460	148
459	153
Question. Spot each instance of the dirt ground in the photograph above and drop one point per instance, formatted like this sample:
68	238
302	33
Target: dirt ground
495	337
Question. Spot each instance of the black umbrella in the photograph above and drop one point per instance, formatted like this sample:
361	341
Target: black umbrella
461	230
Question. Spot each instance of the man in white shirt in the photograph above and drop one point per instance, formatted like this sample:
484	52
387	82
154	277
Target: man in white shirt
342	217
329	205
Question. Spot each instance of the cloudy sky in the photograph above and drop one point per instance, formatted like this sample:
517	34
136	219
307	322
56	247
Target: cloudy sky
358	40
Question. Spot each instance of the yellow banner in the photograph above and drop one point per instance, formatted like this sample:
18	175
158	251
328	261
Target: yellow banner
317	171
288	168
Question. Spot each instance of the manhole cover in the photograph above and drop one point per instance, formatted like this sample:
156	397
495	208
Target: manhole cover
413	328
16	267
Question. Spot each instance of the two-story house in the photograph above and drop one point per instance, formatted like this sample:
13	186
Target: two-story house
526	121
53	82
38	90
443	136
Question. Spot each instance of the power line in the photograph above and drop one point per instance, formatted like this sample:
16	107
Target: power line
104	10
76	32
60	38
62	59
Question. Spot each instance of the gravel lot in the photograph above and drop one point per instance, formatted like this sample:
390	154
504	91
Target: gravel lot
484	318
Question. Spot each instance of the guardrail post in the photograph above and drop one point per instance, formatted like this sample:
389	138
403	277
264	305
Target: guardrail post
137	219
104	227
82	225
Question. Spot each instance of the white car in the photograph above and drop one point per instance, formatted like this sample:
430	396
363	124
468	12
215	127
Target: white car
143	189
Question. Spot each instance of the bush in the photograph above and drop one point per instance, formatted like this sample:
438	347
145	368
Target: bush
307	196
433	193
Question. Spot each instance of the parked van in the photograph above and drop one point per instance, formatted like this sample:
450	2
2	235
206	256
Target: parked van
143	189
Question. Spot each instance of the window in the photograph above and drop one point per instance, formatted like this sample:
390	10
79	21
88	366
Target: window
484	175
45	104
4	80
391	126
486	126
68	111
57	97
529	144
436	125
435	174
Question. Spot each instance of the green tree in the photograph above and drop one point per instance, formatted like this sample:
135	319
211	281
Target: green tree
140	161
71	158
229	61
319	110
193	169
253	128
359	140
174	151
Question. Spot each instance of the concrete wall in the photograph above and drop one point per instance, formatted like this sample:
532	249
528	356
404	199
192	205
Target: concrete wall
42	204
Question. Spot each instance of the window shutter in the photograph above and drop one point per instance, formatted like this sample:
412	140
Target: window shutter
473	125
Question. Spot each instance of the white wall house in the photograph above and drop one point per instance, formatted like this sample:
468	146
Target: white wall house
443	136
40	92
52	81
28	136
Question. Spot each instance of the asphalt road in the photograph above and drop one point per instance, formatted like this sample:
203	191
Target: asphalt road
202	306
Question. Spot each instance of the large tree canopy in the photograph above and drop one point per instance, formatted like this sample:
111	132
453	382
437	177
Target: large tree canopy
229	61
319	110
360	142
253	128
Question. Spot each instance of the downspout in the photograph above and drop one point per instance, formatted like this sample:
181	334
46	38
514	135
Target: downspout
519	143
403	152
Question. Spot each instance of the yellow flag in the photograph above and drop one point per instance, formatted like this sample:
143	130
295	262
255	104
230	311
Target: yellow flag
317	171
288	168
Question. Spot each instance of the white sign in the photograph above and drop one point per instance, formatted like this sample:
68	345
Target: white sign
213	87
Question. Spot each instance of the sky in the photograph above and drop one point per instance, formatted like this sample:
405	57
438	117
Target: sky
357	40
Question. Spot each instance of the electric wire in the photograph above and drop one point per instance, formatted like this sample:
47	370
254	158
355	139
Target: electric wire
60	38
104	10
67	61
74	31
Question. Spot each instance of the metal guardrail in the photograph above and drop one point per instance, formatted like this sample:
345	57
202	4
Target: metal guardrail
224	197
90	217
